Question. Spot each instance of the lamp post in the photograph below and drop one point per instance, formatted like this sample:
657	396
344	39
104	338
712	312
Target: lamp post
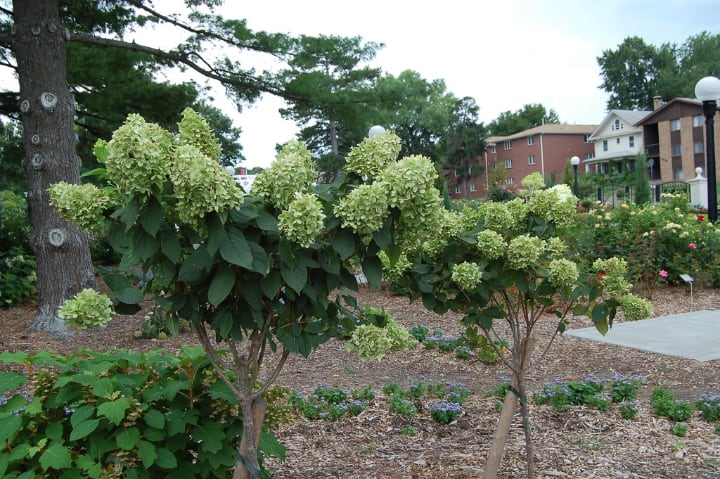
707	90
575	161
375	130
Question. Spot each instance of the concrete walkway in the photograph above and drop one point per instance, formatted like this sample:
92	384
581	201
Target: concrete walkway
690	335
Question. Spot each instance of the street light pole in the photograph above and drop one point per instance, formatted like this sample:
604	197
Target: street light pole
575	161
707	90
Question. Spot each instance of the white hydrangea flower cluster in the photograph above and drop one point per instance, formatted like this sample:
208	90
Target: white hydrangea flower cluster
139	155
420	222
201	185
303	220
394	272
371	156
292	172
88	309
467	275
194	130
450	224
364	209
524	251
491	244
562	273
81	204
556	204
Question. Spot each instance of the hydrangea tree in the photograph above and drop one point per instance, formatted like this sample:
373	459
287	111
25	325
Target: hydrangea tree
255	274
505	266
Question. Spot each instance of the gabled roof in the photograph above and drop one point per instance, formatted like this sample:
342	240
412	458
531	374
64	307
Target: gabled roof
548	129
628	116
670	104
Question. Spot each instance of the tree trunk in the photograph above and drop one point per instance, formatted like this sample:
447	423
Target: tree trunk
47	112
494	458
253	419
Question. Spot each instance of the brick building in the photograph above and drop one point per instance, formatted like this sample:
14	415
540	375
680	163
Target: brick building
545	149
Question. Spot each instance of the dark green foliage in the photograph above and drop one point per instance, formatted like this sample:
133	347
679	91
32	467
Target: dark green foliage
152	415
17	277
15	224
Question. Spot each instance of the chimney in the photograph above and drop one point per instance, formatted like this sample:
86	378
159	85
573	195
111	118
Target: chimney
657	102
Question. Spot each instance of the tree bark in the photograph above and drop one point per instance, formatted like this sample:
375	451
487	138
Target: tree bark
47	109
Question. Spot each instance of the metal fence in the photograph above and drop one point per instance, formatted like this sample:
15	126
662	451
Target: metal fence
673	187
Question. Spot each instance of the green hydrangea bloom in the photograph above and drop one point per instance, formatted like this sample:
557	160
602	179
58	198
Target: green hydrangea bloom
370	342
635	308
371	156
399	336
497	216
554	248
420	222
82	204
523	251
89	309
303	220
194	130
467	275
405	181
394	272
491	244
292	172
611	276
364	209
139	155
201	185
562	273
556	204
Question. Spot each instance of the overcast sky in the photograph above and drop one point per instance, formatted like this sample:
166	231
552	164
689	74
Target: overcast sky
504	54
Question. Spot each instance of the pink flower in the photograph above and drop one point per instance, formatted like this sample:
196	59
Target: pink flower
663	273
692	246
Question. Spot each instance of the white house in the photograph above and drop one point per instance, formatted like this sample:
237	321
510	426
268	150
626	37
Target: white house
617	140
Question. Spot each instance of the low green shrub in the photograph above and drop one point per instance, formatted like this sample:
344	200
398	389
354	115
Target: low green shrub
17	277
119	414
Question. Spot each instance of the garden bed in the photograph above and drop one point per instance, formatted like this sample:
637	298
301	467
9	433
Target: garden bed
580	442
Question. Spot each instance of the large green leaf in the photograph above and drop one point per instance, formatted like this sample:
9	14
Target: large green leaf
372	267
165	458
170	245
261	261
127	438
130	296
116	282
195	266
9	381
114	410
57	457
152	216
270	284
164	271
216	232
147	452
234	249
9	426
84	428
128	214
344	243
144	245
221	285
295	278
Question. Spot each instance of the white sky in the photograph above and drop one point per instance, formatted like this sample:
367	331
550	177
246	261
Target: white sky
504	54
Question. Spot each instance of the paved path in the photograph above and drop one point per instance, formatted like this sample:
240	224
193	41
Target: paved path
689	335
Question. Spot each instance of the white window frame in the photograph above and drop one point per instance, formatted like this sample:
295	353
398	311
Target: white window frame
531	140
531	159
675	125
458	188
473	187
605	145
631	141
508	144
508	164
698	120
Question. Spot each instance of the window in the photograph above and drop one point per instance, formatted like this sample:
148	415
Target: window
677	149
699	147
458	188
509	181
508	144
587	139
531	160
617	126
473	187
617	140
508	164
631	141
589	156
674	125
493	148
698	120
531	140
605	145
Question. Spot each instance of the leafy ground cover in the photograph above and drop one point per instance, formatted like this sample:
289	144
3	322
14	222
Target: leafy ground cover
580	441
